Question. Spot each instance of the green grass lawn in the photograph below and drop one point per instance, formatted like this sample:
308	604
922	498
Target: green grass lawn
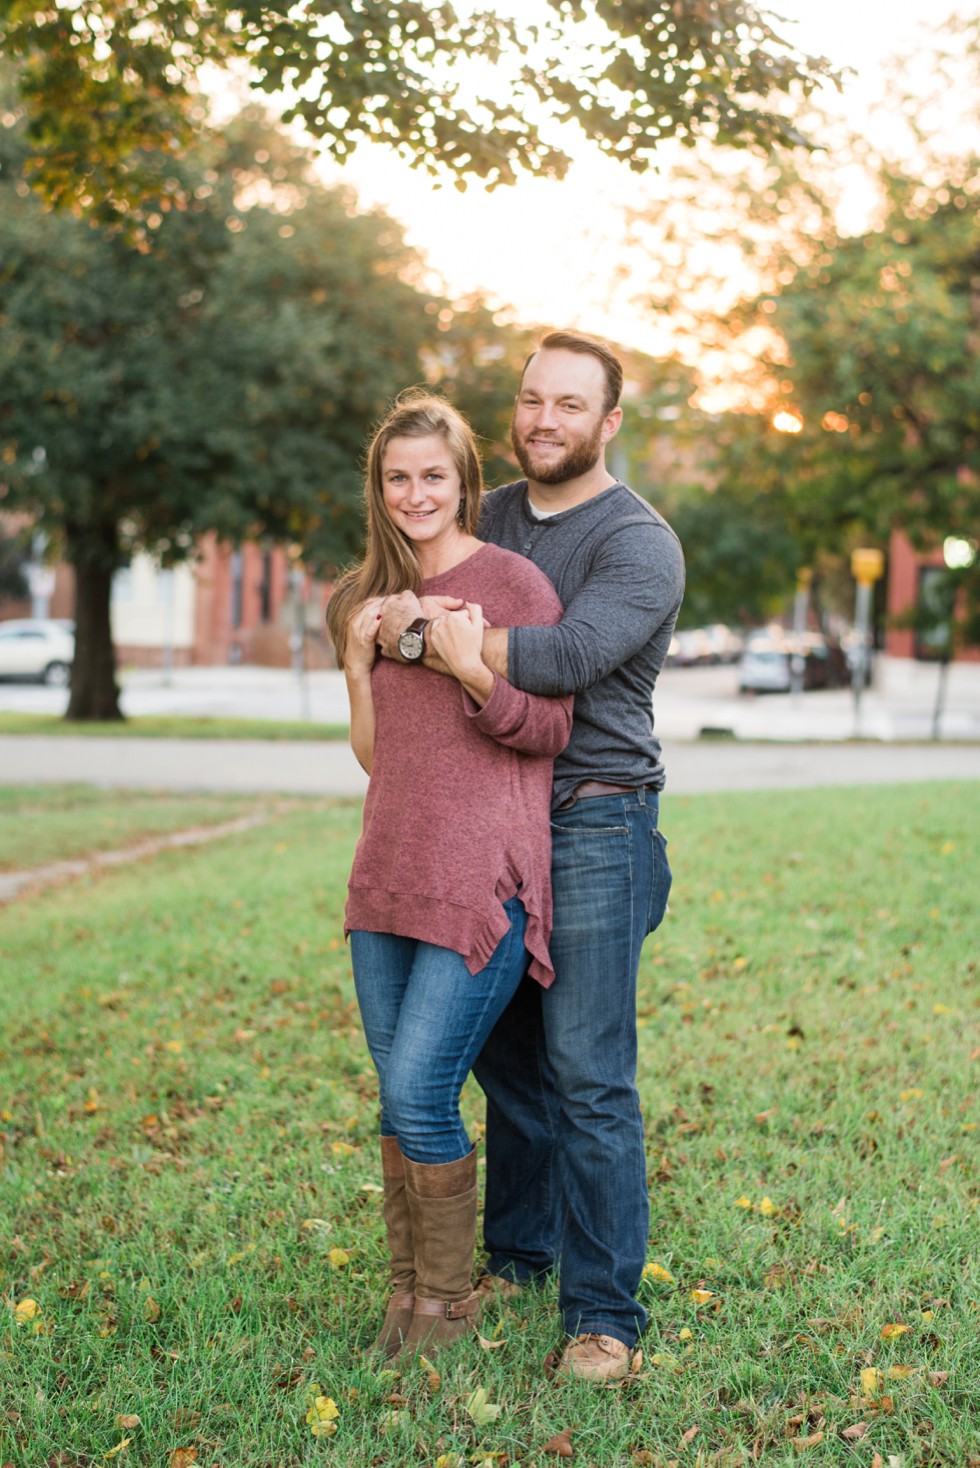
169	726
189	1211
49	823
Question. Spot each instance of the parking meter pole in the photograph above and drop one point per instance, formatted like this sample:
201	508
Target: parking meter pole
801	606
867	566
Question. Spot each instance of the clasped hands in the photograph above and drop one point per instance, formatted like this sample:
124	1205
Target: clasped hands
454	637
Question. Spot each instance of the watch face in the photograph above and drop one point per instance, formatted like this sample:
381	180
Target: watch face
411	646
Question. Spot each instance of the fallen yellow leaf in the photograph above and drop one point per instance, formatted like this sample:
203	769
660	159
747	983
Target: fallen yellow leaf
480	1408
657	1271
25	1311
435	1380
768	1208
890	1332
899	1373
119	1448
182	1457
321	1414
701	1297
743	1202
871	1382
338	1258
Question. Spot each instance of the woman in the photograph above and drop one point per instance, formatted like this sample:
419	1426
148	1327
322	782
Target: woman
449	900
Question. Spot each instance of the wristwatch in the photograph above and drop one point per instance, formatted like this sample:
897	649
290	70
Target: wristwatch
411	643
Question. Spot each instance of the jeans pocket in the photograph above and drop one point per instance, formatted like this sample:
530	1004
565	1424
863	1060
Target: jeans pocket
660	881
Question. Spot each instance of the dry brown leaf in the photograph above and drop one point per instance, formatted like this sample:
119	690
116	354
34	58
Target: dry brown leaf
855	1433
559	1446
486	1345
183	1457
808	1442
938	1378
877	1461
690	1434
761	1117
151	1310
185	1419
126	1422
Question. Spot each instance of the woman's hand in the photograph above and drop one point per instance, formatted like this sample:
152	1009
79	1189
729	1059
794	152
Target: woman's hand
362	636
457	638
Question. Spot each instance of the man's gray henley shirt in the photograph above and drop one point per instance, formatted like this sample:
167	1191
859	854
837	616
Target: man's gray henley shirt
619	571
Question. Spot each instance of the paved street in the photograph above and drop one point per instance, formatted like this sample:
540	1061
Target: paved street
807	741
330	769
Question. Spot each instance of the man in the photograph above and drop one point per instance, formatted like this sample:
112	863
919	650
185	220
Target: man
566	1169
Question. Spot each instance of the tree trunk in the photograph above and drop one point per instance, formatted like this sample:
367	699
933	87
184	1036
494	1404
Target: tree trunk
94	692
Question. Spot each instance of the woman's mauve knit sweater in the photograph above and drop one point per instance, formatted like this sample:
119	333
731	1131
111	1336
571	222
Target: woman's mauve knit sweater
457	814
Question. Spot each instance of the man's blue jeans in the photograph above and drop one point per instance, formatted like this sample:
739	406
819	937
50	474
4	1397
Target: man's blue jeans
566	1168
425	1018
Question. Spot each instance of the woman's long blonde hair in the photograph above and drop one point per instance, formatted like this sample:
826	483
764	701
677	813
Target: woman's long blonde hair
389	562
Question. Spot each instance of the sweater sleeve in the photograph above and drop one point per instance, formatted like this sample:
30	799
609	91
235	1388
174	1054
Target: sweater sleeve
634	585
524	721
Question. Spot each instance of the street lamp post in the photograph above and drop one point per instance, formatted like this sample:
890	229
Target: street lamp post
297	640
797	662
867	565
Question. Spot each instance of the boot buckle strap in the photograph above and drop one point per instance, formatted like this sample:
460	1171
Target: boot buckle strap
449	1309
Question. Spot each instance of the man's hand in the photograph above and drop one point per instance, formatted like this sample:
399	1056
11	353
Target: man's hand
401	609
397	612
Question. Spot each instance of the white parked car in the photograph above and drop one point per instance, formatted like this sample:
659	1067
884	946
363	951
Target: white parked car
40	651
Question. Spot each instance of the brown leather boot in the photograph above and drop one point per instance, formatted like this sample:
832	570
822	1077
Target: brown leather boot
442	1200
398	1227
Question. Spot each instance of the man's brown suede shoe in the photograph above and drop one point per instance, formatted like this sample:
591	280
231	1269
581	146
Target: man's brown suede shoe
492	1286
595	1357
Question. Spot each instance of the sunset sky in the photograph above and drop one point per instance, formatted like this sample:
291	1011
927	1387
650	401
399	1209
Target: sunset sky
550	251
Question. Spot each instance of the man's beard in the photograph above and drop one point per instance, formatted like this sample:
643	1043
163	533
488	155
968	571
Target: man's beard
579	459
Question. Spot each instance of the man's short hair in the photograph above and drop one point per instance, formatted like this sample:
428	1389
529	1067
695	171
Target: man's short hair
588	346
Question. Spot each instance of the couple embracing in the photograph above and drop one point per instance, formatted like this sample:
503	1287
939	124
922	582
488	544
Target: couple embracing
501	651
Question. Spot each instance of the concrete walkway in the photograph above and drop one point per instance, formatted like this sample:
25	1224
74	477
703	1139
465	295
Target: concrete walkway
301	768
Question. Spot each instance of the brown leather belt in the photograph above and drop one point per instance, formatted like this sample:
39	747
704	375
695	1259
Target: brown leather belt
589	789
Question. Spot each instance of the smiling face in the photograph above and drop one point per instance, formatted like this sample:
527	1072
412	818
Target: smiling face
559	427
421	487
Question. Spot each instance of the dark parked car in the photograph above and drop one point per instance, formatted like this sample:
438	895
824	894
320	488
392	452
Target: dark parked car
766	664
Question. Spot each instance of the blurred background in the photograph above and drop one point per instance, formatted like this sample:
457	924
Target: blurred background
230	234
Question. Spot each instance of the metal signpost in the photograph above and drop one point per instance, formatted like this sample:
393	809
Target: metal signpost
867	566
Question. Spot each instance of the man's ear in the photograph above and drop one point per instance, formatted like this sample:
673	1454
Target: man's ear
611	424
